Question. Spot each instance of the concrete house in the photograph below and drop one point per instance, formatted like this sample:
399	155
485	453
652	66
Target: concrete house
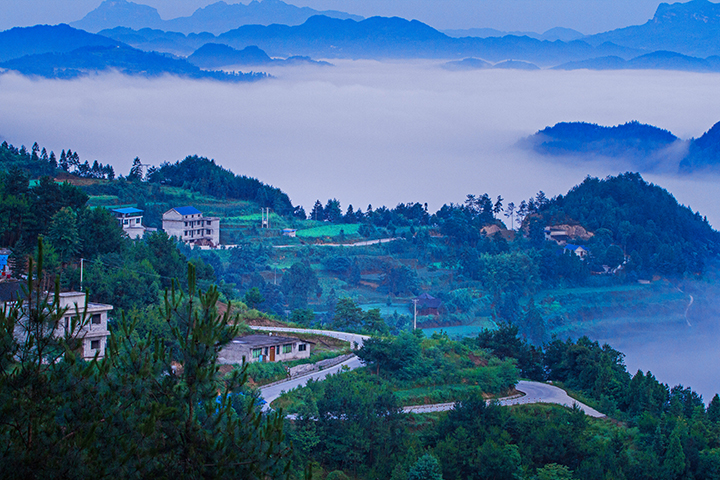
94	334
264	348
131	222
190	226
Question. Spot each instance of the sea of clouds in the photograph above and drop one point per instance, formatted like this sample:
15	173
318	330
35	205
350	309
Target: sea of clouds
365	132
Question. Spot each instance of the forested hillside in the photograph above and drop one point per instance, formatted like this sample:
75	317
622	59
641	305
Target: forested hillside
657	233
506	298
204	176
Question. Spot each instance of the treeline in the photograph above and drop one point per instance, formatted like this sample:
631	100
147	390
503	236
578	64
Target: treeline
37	163
202	175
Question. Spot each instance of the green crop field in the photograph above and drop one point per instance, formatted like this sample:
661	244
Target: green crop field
329	230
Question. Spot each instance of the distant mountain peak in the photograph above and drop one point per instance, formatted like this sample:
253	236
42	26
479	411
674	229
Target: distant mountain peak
693	11
112	13
216	18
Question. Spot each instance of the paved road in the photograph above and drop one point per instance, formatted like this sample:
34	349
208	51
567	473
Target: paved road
272	392
356	244
535	392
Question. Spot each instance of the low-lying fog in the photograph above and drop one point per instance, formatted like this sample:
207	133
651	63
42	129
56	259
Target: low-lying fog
373	133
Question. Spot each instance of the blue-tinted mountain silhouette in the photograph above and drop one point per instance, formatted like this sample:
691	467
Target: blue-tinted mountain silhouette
216	18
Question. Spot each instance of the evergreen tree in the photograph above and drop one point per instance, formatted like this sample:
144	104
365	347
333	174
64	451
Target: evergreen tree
426	468
136	171
63	234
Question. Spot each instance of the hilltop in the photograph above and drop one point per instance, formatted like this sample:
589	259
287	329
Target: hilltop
644	147
630	139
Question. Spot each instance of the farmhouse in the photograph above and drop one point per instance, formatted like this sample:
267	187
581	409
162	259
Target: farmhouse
264	348
427	304
578	250
190	226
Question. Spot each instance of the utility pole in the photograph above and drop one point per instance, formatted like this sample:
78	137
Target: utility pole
415	302
265	213
81	272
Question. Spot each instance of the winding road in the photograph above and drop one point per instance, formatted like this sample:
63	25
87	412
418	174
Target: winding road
534	392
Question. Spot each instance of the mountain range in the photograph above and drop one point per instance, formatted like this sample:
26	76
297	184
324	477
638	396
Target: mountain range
679	37
64	52
216	18
375	37
557	33
660	60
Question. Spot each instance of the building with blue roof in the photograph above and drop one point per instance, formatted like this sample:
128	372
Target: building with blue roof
189	225
131	221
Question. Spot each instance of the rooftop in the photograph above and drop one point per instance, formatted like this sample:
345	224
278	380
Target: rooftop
187	210
127	211
265	340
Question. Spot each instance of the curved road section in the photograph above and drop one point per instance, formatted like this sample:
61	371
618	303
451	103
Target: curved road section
534	392
271	392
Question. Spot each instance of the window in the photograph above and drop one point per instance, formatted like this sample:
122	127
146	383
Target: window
208	222
208	232
266	350
277	350
96	319
287	348
137	220
95	344
186	224
302	347
125	222
256	352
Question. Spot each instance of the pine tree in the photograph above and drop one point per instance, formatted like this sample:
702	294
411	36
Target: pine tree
63	234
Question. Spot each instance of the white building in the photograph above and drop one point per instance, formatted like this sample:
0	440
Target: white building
131	222
93	334
264	348
190	226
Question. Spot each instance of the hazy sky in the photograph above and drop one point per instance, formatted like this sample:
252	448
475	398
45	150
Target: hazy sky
587	16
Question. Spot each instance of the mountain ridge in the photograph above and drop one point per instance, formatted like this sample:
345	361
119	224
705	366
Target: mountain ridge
215	18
